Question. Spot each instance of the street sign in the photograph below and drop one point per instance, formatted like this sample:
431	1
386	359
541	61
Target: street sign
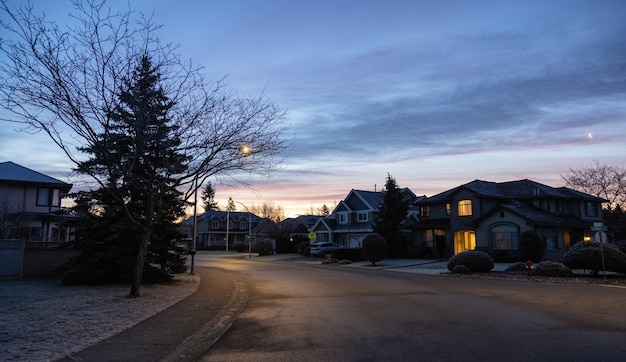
311	235
599	228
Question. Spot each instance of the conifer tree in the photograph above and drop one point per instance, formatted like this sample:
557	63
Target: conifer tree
392	212
208	198
140	147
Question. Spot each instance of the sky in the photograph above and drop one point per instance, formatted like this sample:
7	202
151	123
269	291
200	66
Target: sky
434	93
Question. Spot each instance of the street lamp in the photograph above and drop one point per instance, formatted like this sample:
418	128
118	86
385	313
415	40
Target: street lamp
249	229
195	227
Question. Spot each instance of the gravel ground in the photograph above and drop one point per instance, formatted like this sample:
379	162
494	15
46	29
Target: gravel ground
45	320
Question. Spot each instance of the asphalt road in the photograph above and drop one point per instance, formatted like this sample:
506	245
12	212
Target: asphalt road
306	312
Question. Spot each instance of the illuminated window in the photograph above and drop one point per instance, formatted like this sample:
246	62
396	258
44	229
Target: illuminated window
425	210
448	209
465	208
464	240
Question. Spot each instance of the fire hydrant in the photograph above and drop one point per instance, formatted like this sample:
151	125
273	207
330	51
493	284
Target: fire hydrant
529	267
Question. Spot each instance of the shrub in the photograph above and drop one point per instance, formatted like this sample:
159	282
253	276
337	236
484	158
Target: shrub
530	247
516	267
374	248
304	248
262	247
552	269
586	255
461	269
474	260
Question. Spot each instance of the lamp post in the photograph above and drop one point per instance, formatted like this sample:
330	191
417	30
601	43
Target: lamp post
231	206
195	228
249	229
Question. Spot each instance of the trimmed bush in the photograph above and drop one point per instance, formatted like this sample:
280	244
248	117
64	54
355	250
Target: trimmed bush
552	269
516	267
374	248
461	269
262	247
474	260
530	247
586	255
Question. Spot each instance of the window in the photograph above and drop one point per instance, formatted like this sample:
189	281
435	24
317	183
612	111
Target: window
464	240
550	239
432	236
343	218
425	211
504	237
465	208
362	216
215	224
44	197
448	209
558	205
591	209
243	225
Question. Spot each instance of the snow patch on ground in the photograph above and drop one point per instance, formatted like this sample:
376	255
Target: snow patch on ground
45	320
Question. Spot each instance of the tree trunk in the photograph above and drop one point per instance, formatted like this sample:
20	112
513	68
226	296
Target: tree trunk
139	263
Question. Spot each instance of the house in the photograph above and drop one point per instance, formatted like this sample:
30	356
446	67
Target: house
490	216
353	218
30	205
213	230
298	228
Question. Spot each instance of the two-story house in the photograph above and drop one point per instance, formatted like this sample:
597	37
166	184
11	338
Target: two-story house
490	216
214	231
30	205
353	218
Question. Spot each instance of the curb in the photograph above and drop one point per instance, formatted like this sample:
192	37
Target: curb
199	343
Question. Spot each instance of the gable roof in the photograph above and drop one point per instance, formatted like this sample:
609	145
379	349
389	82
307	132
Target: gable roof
534	215
13	173
520	189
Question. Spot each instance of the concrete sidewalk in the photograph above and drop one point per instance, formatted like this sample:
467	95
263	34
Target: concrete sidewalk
182	332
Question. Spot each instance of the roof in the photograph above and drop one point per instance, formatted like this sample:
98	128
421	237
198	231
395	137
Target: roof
520	189
535	215
14	173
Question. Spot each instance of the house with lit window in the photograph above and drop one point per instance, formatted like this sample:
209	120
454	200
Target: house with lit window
30	206
353	218
216	228
490	216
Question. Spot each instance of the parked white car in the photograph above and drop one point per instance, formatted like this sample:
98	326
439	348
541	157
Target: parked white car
320	249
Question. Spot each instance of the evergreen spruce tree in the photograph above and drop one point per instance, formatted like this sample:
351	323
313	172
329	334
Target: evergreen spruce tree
142	142
392	212
208	198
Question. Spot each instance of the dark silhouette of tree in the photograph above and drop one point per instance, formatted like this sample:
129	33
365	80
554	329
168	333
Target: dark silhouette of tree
208	198
604	181
141	148
392	212
67	83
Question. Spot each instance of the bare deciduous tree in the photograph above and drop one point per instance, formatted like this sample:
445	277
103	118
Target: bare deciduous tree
268	210
64	80
605	181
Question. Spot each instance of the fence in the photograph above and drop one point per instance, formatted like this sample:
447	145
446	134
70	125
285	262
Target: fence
11	258
19	259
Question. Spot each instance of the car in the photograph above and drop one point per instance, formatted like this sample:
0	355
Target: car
321	249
